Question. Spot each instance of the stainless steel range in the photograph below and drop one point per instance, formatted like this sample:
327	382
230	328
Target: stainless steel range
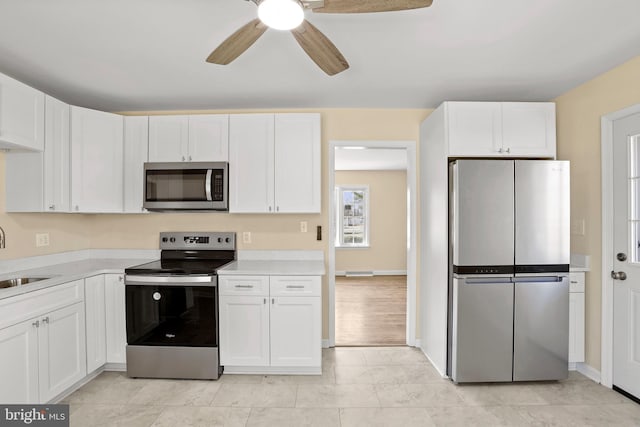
172	307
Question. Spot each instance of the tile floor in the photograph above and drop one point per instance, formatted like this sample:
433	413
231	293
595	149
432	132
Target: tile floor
391	386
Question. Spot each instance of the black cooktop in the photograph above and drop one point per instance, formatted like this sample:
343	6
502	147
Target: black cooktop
178	267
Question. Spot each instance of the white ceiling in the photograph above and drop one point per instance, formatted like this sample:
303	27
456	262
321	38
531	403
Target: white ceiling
370	159
120	55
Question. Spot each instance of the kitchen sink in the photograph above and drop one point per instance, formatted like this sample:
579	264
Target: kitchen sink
10	283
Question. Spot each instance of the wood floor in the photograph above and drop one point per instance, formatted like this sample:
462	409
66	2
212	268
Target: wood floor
371	311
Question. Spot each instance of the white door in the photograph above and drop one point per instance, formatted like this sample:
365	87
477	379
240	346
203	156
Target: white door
115	316
19	367
209	138
62	350
136	147
95	322
296	331
21	115
244	331
297	163
626	256
251	145
168	138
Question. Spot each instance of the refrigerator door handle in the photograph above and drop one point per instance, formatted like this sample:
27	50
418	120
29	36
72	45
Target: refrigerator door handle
488	280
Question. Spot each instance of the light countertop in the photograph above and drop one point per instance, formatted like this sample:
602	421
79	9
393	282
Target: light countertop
274	268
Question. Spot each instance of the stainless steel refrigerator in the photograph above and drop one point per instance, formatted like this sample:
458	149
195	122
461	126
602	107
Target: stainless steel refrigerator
509	268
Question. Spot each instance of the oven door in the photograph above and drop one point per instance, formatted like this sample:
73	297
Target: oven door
186	186
172	311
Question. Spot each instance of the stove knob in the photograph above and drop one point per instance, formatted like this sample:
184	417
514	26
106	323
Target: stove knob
172	240
165	240
219	239
227	240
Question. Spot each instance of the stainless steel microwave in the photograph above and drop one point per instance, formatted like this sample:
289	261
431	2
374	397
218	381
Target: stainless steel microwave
191	186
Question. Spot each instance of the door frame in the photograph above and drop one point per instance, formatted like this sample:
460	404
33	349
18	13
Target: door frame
412	232
607	123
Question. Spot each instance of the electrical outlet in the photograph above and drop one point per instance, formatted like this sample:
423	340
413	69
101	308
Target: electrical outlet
42	239
303	226
246	237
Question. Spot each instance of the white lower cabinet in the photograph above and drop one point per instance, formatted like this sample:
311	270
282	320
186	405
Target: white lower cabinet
576	317
116	338
270	324
43	356
94	300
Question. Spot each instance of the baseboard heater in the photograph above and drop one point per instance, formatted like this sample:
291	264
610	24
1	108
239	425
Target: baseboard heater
358	273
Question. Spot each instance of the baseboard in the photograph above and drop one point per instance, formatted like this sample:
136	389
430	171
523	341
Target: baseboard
373	272
589	372
272	370
325	344
572	366
417	343
77	385
116	367
442	374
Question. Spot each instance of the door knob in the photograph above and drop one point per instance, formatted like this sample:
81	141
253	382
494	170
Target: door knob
619	275
621	256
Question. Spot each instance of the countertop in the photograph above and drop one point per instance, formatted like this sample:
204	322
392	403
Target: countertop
66	272
274	268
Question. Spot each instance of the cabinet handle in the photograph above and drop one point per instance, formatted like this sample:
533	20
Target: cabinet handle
36	324
295	286
119	278
278	209
269	208
508	150
45	320
265	301
52	207
273	301
245	286
183	159
77	207
189	158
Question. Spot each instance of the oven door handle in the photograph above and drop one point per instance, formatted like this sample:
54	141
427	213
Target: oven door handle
170	280
207	185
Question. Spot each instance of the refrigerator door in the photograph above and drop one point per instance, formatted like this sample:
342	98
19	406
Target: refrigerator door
542	216
482	329
541	328
482	212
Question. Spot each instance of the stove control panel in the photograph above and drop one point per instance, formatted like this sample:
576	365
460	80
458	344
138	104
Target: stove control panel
175	240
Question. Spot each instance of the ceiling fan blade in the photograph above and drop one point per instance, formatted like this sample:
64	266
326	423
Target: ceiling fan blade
320	49
237	43
368	6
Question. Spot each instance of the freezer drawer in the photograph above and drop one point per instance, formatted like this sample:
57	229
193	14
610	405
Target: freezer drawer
541	328
482	330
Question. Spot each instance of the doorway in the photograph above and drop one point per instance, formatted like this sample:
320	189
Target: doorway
621	251
374	295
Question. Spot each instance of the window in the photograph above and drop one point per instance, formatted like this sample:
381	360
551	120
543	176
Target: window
353	216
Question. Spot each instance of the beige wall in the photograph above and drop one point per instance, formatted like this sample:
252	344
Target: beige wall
579	112
72	231
388	228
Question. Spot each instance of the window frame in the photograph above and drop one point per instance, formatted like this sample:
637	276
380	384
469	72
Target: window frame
339	238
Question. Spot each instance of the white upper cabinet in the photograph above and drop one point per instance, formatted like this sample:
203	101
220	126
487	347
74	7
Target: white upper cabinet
274	163
197	138
56	156
501	129
136	145
251	145
21	116
39	181
96	161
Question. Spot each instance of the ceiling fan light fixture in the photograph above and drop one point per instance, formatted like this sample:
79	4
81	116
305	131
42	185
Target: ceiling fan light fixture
281	14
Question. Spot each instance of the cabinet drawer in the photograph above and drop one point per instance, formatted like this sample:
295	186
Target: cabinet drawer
576	282
31	304
310	286
243	285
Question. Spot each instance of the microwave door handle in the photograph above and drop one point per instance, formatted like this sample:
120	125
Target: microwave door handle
207	184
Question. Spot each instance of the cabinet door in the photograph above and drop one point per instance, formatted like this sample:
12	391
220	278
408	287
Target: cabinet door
529	128
296	328
21	115
136	146
62	350
24	182
115	318
209	138
168	138
96	161
576	327
251	162
56	156
19	367
244	331
94	303
297	163
474	129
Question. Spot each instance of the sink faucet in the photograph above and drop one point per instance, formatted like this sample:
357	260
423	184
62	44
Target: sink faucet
2	239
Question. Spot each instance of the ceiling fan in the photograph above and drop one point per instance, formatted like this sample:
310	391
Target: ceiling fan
289	15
